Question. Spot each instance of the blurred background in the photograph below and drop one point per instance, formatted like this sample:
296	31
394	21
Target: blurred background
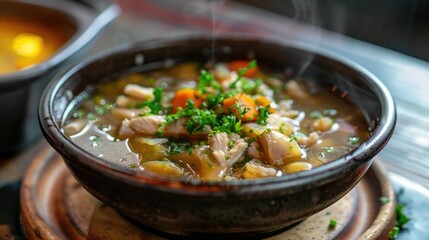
401	25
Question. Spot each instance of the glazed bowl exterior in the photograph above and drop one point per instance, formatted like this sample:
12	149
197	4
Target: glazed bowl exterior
20	91
236	207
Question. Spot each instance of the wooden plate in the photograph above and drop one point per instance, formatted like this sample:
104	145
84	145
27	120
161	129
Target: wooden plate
55	206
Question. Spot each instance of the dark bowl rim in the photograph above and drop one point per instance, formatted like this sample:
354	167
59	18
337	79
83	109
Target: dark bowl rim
328	172
87	27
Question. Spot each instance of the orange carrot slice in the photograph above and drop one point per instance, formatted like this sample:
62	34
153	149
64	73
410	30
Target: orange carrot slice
245	102
182	96
237	64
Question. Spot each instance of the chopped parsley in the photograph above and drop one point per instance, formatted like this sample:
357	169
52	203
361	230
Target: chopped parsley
249	86
293	138
216	100
211	165
175	147
328	149
353	140
206	80
263	115
281	128
230	143
198	118
154	105
393	234
401	220
228	124
78	114
191	150
241	71
94	138
332	224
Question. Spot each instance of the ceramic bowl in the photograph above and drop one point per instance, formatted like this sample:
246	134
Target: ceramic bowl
20	91
246	208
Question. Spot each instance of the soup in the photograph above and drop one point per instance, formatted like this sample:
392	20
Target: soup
26	42
221	122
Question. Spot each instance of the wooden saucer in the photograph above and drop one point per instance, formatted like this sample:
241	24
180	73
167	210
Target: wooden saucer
55	206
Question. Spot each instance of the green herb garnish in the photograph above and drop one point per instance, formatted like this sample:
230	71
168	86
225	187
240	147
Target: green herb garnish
249	86
228	124
94	138
198	118
328	149
175	148
206	80
401	220
393	234
332	224
293	138
241	71
353	140
154	105
263	115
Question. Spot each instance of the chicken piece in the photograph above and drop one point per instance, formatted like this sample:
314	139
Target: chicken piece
282	124
228	80
237	151
221	72
255	151
309	140
265	90
202	162
178	129
254	169
75	126
294	90
147	125
279	149
233	137
219	146
323	124
125	131
124	113
126	102
219	142
138	92
285	105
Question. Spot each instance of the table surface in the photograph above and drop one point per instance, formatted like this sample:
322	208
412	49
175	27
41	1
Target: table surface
407	78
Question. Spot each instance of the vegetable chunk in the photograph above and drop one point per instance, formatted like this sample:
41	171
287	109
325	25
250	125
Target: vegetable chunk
279	149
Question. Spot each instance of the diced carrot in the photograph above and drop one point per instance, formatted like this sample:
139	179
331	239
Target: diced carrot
263	102
182	96
245	102
237	64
